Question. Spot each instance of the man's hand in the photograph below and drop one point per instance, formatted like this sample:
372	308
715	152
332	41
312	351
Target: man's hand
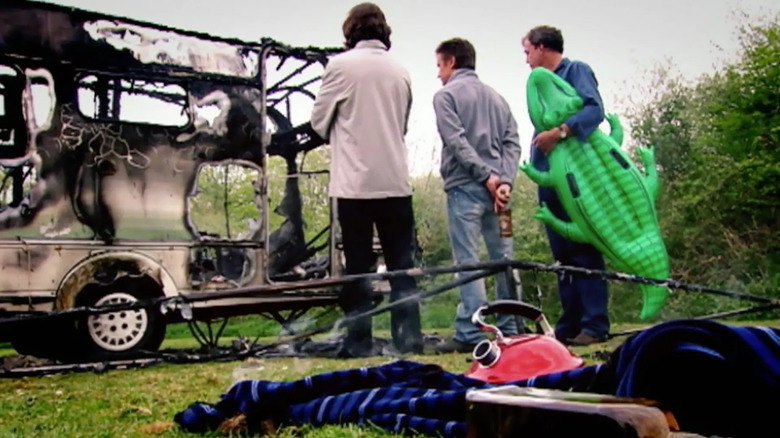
503	193
492	185
547	140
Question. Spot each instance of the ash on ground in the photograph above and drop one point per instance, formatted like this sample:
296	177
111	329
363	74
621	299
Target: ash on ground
303	348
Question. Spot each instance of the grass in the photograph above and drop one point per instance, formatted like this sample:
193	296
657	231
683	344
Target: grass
143	402
140	403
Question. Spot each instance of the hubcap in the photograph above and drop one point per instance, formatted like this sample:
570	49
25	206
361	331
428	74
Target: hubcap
117	331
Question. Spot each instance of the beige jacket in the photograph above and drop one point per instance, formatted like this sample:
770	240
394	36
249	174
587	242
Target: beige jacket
363	109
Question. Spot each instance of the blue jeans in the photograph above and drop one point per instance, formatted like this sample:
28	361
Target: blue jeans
470	213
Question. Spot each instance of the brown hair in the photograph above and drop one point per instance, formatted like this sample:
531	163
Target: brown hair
365	22
460	49
547	36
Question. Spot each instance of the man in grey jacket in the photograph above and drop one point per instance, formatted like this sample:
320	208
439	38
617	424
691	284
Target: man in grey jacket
362	109
480	154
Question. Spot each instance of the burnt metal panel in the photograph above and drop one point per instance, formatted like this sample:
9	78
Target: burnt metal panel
93	174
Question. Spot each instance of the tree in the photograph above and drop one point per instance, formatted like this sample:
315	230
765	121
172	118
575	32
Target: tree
717	147
225	200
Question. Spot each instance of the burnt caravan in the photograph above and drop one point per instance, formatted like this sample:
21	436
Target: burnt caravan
141	161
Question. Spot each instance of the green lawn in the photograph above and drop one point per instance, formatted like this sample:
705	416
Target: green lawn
142	402
133	403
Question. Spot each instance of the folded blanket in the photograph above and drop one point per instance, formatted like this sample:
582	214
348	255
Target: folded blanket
716	379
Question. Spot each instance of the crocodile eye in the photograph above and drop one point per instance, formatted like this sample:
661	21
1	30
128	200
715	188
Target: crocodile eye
574	105
551	118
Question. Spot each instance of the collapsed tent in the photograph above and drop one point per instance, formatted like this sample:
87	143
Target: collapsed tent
716	379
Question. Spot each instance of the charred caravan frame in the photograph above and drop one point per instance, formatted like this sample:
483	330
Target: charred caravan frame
96	200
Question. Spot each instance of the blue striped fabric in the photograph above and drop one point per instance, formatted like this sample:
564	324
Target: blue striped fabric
715	378
398	396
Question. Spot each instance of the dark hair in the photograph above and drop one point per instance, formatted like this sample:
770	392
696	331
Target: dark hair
547	36
460	49
365	22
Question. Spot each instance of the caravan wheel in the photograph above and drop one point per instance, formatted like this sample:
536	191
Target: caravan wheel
125	333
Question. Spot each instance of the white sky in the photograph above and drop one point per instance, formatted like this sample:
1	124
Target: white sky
620	39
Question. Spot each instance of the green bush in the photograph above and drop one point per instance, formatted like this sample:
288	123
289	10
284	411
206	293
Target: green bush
717	146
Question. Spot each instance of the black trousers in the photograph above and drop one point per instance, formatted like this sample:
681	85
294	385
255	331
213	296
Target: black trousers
394	222
584	299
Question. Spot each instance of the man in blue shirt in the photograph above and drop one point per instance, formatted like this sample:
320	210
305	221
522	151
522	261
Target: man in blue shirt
585	319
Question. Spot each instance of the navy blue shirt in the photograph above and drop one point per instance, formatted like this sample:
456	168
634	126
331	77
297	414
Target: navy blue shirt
587	119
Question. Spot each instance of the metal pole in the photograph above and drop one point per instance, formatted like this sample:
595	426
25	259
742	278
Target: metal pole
346	320
512	286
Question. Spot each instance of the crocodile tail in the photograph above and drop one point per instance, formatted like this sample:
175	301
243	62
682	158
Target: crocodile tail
653	298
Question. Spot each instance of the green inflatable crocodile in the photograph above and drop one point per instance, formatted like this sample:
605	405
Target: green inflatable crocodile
610	203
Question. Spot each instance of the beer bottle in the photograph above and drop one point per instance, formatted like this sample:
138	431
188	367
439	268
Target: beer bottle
505	221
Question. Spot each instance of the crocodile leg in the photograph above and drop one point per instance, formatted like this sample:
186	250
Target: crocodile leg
544	179
651	175
569	230
615	128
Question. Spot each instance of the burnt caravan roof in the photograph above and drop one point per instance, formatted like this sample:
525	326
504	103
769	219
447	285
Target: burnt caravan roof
87	39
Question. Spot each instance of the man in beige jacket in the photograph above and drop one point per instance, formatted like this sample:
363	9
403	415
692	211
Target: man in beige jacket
362	110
